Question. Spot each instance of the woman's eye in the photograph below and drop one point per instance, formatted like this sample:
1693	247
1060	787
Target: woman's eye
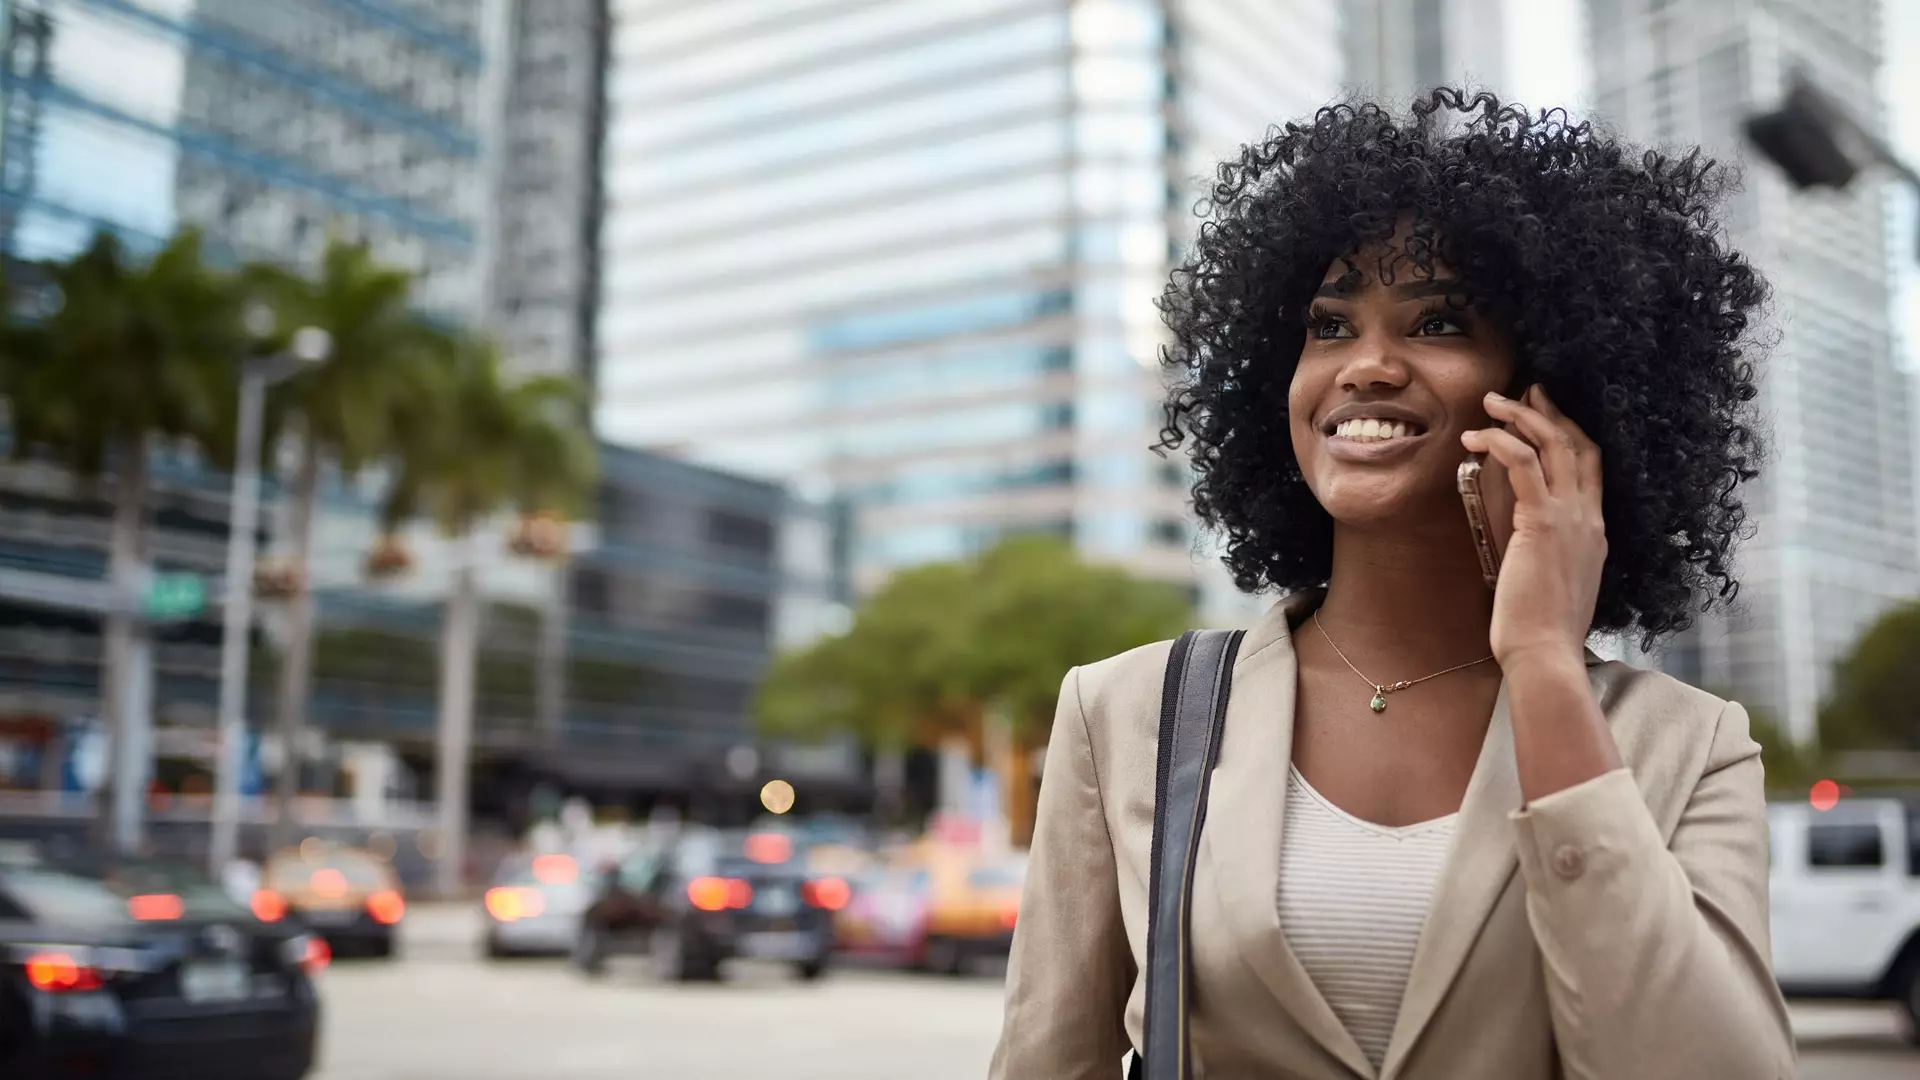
1328	327
1439	326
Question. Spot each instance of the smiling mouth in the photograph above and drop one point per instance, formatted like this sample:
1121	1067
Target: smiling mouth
1373	431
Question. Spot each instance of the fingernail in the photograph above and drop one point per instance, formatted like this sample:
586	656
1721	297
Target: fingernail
1494	396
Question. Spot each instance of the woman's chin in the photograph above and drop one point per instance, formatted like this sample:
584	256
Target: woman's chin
1375	501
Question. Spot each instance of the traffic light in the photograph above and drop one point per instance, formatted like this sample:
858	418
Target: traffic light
1814	140
1807	136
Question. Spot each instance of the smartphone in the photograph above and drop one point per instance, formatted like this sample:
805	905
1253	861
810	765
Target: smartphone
1471	480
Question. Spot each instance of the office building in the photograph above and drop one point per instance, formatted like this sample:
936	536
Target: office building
547	202
457	139
671	619
905	255
1835	510
270	124
1396	50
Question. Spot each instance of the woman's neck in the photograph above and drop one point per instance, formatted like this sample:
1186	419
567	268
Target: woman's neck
1409	598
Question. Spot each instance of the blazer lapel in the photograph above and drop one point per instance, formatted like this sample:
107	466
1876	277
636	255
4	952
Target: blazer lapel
1246	807
1477	871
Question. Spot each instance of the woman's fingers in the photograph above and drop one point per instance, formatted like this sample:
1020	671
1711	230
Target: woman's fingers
1585	450
1521	460
1559	455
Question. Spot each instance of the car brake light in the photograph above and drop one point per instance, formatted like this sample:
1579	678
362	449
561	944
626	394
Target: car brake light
155	907
317	955
329	883
768	847
1009	917
268	906
60	973
719	894
386	907
555	869
508	903
830	894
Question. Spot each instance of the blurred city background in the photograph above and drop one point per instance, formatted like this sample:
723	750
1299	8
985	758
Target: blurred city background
621	480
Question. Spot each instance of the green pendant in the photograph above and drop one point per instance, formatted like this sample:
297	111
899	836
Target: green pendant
1379	702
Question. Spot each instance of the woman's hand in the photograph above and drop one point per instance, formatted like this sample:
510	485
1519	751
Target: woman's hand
1550	571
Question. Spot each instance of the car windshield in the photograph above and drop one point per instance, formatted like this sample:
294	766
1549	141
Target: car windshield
557	876
56	895
96	891
363	872
753	854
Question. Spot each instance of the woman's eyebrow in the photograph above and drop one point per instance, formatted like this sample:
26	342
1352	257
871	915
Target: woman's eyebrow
1343	289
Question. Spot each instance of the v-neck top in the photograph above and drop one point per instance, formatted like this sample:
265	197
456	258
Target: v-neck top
1353	900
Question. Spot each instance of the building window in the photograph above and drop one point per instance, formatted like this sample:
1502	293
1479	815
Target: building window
735	612
734	530
590	590
1429	44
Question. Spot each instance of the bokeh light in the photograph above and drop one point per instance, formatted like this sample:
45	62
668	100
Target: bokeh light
1825	795
777	796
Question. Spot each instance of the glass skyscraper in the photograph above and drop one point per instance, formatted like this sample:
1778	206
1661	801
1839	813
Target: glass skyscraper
1397	49
1836	516
906	254
268	123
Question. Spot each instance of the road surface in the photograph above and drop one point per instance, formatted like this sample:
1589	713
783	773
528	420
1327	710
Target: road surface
439	1013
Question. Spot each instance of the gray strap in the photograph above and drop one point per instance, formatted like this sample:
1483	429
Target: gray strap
1193	712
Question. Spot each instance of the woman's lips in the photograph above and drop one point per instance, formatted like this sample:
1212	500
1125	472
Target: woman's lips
1372	451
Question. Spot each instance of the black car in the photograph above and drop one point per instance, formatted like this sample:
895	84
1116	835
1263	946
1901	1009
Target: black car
133	968
709	897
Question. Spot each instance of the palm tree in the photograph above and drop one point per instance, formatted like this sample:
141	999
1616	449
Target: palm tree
480	445
345	410
129	351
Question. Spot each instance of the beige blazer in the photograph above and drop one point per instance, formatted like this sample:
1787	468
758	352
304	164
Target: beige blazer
1631	944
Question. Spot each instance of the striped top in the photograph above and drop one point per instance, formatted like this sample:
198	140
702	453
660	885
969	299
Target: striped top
1353	898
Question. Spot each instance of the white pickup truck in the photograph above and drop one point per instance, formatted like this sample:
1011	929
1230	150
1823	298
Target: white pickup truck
1846	900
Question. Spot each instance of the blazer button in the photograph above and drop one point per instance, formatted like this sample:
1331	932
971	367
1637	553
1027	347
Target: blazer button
1569	862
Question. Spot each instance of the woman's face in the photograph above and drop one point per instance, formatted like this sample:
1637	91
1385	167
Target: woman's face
1389	376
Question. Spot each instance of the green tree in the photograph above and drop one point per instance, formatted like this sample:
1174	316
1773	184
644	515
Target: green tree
345	410
975	648
474	446
1790	767
1875	702
131	350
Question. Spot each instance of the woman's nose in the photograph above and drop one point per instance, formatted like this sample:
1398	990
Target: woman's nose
1373	364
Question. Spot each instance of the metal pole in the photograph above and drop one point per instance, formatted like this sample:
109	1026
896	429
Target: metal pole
133	762
236	623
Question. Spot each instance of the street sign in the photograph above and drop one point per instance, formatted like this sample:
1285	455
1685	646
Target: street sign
174	596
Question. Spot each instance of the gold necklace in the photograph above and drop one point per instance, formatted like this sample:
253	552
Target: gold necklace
1381	690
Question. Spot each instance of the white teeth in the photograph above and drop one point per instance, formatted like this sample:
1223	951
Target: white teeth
1371	430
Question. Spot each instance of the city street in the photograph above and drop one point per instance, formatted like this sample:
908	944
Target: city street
439	1013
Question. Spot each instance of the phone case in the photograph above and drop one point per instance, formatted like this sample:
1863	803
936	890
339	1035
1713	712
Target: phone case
1468	479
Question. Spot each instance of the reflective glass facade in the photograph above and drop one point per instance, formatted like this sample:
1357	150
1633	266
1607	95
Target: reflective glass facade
1399	49
1835	545
907	253
268	123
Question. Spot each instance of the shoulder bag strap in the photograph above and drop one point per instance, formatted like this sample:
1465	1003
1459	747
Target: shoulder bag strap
1193	711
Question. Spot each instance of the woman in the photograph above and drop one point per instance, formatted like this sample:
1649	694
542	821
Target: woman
1444	840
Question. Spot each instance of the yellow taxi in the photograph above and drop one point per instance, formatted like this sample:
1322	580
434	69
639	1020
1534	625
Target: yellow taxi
973	902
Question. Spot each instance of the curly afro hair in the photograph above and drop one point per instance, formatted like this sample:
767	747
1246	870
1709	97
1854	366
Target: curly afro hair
1607	270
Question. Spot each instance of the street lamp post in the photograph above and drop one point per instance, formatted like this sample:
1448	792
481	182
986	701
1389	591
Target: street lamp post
310	345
